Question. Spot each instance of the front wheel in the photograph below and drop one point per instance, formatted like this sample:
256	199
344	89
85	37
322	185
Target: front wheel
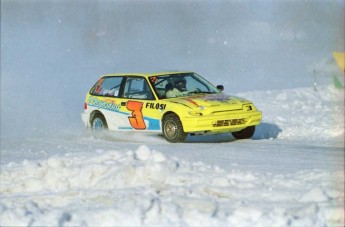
173	129
244	133
98	122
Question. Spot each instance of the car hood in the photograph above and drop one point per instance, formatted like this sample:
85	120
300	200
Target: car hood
213	101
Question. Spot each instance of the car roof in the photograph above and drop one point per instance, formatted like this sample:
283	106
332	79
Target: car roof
146	74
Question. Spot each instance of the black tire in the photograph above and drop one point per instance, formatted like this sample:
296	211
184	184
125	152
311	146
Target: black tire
244	133
98	122
173	129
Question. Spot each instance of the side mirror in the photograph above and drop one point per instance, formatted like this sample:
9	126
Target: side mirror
220	87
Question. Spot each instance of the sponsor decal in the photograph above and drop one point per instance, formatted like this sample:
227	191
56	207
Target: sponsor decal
153	79
191	101
108	104
156	106
99	86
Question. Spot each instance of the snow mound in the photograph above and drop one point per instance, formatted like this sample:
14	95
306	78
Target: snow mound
301	113
147	187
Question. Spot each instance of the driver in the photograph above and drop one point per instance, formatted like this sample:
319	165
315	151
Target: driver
179	89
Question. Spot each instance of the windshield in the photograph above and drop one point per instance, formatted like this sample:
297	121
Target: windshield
181	84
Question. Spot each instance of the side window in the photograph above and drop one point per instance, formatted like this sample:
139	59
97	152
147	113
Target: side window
137	88
107	86
162	83
160	86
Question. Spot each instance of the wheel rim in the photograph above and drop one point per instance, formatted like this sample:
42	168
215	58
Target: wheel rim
170	129
97	124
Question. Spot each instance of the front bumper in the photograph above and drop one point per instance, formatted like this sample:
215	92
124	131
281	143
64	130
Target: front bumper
230	122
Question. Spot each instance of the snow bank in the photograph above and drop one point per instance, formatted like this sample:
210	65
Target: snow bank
301	113
147	187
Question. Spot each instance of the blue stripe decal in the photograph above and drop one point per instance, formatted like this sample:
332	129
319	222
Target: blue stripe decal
154	124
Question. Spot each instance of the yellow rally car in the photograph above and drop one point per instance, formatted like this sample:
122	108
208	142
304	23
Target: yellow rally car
172	103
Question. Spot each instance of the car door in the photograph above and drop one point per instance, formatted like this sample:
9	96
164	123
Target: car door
136	100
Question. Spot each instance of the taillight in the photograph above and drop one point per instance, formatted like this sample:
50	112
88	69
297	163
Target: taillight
85	106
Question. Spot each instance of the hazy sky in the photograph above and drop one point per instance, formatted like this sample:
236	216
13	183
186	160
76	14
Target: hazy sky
53	51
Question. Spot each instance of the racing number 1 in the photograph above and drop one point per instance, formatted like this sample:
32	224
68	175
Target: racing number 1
137	119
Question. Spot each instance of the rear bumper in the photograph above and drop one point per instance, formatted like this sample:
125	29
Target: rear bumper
85	118
221	123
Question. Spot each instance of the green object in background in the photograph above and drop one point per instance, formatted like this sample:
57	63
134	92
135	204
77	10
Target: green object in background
337	82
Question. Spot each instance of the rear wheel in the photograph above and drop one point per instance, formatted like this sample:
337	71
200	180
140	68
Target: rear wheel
173	129
98	122
244	133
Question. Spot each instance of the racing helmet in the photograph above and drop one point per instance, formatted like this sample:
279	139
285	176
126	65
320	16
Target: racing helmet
180	83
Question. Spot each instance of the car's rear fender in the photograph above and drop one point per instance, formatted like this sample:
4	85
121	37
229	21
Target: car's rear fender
93	113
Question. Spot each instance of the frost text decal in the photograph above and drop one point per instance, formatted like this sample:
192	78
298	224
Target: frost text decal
112	106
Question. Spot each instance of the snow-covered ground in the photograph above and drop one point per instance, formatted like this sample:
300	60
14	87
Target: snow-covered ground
278	54
290	174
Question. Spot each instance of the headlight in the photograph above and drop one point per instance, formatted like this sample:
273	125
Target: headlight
197	111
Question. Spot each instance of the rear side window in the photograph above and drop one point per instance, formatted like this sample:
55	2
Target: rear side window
107	86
